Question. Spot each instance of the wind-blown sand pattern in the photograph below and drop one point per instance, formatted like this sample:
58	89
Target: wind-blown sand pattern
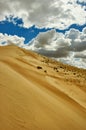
37	93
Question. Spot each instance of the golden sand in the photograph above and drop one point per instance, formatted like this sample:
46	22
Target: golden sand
37	93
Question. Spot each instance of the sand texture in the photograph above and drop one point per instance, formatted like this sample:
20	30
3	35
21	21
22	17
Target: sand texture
37	93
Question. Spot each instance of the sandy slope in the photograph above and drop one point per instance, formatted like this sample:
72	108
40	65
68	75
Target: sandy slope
37	93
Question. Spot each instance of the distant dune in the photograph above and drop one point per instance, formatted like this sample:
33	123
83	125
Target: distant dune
37	93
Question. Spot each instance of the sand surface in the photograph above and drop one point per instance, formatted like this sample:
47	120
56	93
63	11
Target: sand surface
37	93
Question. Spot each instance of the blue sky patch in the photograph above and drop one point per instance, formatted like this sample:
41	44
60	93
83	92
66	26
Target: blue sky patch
14	26
81	3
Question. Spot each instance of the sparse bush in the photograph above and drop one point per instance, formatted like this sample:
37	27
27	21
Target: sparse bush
74	73
61	67
39	67
55	68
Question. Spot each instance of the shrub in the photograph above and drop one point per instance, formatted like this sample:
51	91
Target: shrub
39	67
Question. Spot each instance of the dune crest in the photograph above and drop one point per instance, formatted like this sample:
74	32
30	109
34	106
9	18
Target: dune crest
37	93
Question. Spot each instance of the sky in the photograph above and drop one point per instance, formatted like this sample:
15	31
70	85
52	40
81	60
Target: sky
56	29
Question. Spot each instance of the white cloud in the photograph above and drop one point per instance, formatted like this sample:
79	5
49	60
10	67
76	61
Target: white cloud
72	40
45	13
84	30
80	54
69	47
73	34
78	40
51	44
9	40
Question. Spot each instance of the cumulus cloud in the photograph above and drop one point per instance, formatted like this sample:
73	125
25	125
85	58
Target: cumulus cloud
51	44
45	13
80	55
73	40
84	30
78	40
69	47
11	40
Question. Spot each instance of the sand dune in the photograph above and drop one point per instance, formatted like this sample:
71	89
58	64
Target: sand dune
37	93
